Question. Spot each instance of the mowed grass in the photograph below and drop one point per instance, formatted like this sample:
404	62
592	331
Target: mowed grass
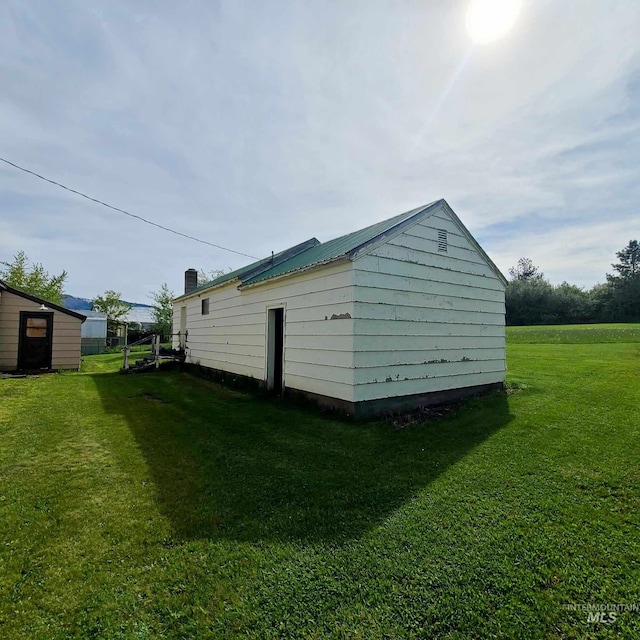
163	506
574	334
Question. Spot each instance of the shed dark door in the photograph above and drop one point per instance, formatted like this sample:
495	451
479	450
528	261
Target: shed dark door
35	344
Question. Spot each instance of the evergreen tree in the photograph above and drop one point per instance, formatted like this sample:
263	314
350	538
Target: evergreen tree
624	299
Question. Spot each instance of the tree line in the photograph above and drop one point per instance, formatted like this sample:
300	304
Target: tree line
531	299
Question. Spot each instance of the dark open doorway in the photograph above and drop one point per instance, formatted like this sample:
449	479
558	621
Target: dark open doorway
36	341
275	350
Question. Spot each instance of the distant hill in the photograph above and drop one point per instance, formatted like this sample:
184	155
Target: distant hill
76	304
84	304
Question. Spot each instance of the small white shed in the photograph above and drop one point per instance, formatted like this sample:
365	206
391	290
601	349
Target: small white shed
95	325
94	333
404	313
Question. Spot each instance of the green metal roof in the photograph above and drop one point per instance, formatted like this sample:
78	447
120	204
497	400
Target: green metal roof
336	248
256	267
312	252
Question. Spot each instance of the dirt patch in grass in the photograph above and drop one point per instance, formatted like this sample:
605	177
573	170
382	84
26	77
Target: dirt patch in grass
151	398
422	416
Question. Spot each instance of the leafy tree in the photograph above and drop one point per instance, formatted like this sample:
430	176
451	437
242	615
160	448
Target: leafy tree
115	308
601	298
571	304
527	295
163	309
526	270
529	302
33	279
208	276
531	299
624	294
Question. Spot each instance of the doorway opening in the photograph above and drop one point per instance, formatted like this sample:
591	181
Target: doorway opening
182	335
275	350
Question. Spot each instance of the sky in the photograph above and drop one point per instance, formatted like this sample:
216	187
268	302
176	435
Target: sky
258	125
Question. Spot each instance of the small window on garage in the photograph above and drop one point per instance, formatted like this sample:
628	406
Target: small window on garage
205	306
442	240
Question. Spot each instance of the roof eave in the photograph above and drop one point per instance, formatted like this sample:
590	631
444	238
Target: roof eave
246	274
311	267
369	245
385	236
50	305
475	244
198	292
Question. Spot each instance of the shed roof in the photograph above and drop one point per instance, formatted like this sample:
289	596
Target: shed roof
312	252
140	315
6	287
94	315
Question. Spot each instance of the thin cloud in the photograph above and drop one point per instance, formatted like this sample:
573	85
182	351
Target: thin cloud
258	126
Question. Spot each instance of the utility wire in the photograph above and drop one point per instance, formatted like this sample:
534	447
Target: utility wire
126	213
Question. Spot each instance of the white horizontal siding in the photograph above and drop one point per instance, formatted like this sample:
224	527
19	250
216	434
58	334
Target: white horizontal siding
319	386
454	250
231	349
393	328
243	365
377	280
394	358
329	328
325	357
455	237
425	320
414	313
315	371
429	385
245	331
436	268
381	343
245	305
436	369
320	342
318	348
434	273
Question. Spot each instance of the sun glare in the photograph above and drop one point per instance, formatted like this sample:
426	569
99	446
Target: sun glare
489	20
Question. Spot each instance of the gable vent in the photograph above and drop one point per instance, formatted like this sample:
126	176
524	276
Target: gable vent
442	240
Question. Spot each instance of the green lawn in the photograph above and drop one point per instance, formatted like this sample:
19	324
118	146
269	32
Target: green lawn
574	334
159	505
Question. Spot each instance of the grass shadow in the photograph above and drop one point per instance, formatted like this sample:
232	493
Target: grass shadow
229	465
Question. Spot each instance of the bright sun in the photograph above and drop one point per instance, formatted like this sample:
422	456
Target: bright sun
488	20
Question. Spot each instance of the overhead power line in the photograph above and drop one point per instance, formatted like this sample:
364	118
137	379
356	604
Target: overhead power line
127	213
